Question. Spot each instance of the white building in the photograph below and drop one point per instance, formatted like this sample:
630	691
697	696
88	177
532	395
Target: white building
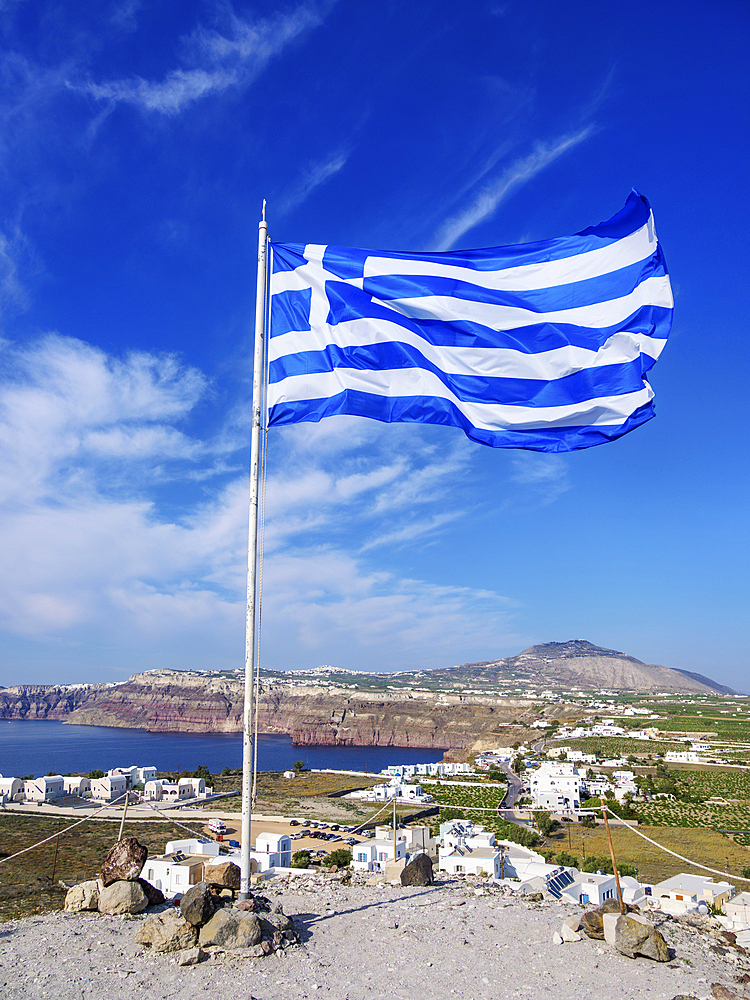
77	785
683	893
738	910
135	775
395	789
44	789
416	839
556	787
108	789
374	855
468	849
182	865
590	887
160	790
11	790
682	757
272	850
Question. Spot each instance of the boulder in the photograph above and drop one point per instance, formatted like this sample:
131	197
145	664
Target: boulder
231	929
154	896
84	896
167	931
124	861
634	937
122	897
591	922
224	876
198	905
557	938
573	922
418	871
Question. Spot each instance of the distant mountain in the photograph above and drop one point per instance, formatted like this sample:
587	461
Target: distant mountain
580	664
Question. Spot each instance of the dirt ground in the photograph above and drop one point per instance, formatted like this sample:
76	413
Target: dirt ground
364	942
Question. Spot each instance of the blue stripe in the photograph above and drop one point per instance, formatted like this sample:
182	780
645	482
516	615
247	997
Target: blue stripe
602	288
290	311
347	302
578	387
287	256
347	262
434	410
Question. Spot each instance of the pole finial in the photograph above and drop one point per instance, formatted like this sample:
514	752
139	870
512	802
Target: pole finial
264	210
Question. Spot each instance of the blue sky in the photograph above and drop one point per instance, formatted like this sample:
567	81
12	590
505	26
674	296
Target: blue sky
138	140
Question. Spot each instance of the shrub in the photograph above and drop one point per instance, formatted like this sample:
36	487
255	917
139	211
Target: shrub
566	860
301	859
340	857
96	773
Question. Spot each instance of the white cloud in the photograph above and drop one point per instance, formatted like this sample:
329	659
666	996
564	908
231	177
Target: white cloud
546	475
219	60
315	175
517	174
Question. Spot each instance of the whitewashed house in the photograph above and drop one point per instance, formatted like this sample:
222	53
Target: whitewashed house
374	855
556	787
738	910
272	850
197	787
11	790
108	789
182	865
684	893
134	774
76	784
466	849
590	887
44	789
682	757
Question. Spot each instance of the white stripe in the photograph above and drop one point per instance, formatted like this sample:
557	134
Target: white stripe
604	411
546	274
495	362
653	291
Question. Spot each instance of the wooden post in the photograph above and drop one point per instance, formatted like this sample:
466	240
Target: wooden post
612	855
124	814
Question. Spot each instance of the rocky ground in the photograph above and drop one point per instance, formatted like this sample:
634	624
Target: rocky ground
456	939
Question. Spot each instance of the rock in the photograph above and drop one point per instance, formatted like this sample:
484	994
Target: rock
122	897
375	880
418	871
557	938
224	876
611	906
535	897
84	896
272	923
591	922
167	931
569	935
231	929
154	896
573	922
722	993
635	937
124	861
245	905
609	921
191	956
197	906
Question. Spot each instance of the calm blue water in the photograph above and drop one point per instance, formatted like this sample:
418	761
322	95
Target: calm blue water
40	747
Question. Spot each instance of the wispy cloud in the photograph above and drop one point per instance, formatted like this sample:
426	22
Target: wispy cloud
517	174
546	475
215	61
315	175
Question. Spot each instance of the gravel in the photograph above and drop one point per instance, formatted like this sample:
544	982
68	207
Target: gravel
452	940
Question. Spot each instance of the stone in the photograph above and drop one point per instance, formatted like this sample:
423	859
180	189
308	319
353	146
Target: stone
569	935
557	938
167	932
197	905
191	956
154	896
634	937
609	921
375	880
610	906
231	929
271	923
418	871
573	922
593	927
122	897
84	896
535	897
124	861
722	993
224	876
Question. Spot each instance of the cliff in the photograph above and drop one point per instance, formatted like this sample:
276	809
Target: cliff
177	701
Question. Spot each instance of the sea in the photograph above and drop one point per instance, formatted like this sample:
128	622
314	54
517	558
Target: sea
39	747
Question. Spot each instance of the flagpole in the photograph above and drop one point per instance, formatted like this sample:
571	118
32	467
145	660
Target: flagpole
252	558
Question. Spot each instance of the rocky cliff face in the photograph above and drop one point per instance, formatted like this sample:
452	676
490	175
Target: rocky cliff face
176	701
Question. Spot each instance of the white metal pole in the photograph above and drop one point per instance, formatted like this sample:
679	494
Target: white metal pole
252	553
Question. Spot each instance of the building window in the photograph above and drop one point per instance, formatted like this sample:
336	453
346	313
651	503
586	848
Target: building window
460	869
177	878
361	857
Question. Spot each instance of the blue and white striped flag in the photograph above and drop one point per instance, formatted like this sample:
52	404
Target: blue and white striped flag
542	346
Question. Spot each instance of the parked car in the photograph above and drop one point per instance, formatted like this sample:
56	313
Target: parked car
306	823
334	826
293	822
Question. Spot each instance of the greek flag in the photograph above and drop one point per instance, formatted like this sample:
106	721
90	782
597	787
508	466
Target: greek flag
542	346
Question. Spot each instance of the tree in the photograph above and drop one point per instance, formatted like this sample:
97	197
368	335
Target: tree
227	771
299	765
566	860
746	872
301	859
201	771
96	773
545	822
340	857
